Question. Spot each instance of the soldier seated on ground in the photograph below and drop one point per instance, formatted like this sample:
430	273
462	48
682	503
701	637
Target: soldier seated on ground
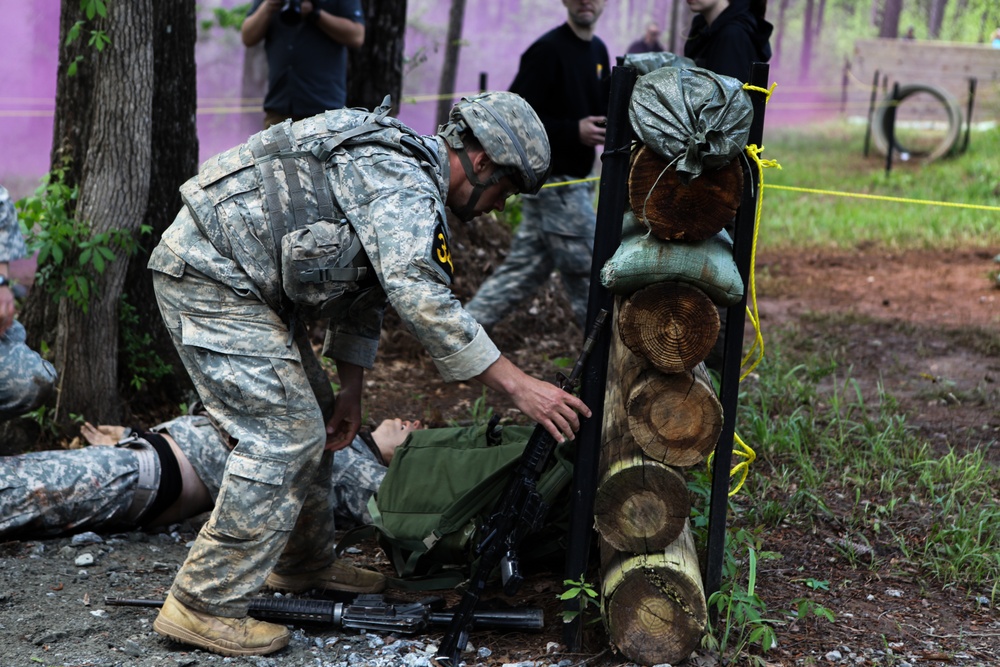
159	477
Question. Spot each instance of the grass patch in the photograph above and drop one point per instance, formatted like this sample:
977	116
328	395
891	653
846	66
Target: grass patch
832	453
830	157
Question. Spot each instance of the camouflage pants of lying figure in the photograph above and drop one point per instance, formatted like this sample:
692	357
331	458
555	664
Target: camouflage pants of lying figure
274	511
556	232
63	492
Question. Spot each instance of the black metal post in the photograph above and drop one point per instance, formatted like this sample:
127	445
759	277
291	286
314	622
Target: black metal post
871	112
968	113
733	349
607	236
482	82
890	127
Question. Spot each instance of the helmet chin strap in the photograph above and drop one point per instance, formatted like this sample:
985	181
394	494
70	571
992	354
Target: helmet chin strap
468	210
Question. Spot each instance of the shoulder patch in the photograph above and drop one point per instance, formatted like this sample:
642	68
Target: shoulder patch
441	251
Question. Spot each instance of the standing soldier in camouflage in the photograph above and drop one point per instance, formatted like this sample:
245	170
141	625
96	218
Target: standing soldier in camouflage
564	77
26	379
332	216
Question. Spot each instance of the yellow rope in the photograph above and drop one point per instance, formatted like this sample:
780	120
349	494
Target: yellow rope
899	200
579	180
749	362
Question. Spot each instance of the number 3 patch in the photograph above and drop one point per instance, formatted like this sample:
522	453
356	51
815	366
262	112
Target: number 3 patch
441	251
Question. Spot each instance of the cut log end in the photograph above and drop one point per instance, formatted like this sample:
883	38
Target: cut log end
673	325
675	210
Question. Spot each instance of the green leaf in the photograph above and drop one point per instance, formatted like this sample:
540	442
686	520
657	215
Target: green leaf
73	33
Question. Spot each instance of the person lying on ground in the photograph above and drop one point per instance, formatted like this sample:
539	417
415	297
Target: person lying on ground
127	480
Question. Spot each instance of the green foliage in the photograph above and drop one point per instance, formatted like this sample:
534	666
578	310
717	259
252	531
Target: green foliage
741	612
98	39
830	157
227	19
45	417
937	513
144	365
480	412
586	599
70	254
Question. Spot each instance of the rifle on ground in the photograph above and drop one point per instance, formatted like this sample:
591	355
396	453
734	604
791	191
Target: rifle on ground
370	612
519	511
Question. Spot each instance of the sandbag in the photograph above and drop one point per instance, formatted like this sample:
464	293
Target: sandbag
692	117
644	63
642	259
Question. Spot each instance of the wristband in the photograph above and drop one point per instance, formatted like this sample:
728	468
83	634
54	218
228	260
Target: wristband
4	281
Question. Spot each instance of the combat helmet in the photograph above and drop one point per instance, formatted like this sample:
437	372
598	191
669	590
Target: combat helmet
509	131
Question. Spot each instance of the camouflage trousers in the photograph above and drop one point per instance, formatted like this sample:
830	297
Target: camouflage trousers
274	510
62	492
556	232
25	378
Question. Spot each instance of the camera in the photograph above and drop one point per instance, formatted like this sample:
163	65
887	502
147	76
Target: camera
291	11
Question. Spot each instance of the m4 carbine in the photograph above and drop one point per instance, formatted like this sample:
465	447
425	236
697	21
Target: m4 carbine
370	612
518	512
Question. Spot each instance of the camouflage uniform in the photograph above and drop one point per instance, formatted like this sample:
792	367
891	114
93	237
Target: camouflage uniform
49	493
59	492
219	285
25	378
556	231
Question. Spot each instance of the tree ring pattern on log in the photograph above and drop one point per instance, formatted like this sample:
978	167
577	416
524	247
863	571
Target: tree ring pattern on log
673	325
656	613
641	506
674	418
675	210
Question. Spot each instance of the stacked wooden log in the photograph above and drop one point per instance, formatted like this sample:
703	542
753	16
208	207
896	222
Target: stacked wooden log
661	416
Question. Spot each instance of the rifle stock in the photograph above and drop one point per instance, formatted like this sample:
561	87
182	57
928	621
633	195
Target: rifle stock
518	511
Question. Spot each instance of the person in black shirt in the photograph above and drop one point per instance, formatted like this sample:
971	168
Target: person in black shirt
564	77
728	35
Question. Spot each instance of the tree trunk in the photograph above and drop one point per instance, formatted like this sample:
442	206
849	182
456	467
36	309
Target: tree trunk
889	28
174	159
935	16
673	325
779	35
807	43
114	191
654	604
675	210
449	69
376	69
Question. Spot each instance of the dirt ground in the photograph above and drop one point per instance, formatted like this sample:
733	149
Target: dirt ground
924	325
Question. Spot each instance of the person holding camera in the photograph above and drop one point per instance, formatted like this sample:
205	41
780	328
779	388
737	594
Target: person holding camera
306	43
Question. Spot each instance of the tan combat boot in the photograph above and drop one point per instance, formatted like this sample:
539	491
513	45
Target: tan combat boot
339	576
225	636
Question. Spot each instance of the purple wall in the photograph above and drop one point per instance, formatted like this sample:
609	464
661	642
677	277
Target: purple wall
495	34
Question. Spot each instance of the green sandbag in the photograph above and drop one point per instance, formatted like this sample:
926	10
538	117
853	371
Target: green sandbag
644	63
642	260
691	117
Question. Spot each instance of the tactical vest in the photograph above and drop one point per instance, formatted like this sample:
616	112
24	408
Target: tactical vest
273	193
